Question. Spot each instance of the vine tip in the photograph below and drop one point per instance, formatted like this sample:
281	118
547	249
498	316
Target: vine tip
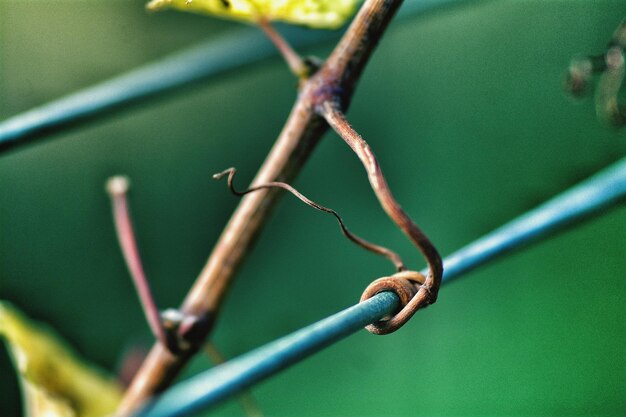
117	185
222	174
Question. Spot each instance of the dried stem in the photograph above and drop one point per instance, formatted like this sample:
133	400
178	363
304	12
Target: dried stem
379	250
117	187
427	293
303	129
294	61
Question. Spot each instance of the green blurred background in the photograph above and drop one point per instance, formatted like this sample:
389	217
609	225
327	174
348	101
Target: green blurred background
465	109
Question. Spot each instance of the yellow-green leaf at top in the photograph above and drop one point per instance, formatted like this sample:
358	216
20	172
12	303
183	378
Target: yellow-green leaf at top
321	14
55	381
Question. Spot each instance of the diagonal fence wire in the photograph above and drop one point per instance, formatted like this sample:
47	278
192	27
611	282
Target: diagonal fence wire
595	195
592	196
217	56
219	383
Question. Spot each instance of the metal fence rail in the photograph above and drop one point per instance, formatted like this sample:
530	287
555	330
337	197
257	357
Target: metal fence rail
602	191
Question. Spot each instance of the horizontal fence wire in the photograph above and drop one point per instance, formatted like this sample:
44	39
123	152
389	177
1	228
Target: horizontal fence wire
593	196
217	56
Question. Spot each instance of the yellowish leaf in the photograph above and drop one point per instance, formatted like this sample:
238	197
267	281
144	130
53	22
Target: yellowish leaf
55	381
321	14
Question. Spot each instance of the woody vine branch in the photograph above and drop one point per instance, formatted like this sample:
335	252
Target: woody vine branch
322	99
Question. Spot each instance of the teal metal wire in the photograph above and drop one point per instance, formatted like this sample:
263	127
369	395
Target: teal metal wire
220	55
219	383
593	196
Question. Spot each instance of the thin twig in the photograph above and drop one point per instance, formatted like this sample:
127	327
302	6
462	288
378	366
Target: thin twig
117	188
294	61
427	293
303	129
372	247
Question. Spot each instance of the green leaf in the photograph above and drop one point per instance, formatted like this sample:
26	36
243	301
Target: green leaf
320	14
55	381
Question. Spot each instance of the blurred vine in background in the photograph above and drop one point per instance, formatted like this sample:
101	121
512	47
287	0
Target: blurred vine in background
610	66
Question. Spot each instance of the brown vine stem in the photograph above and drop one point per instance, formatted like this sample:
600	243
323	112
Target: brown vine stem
117	188
427	292
335	80
295	63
